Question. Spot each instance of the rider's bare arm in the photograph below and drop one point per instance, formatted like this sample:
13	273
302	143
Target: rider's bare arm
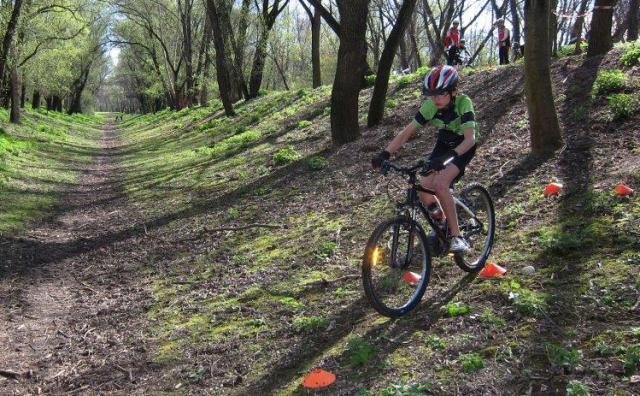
402	138
468	142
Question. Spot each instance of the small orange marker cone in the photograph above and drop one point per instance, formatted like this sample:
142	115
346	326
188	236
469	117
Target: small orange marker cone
622	190
318	379
411	278
491	270
552	189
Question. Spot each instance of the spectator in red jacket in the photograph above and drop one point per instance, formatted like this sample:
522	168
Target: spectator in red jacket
452	42
504	42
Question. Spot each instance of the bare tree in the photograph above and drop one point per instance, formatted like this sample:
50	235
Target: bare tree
223	64
378	98
543	120
350	70
268	17
8	37
576	31
600	40
315	19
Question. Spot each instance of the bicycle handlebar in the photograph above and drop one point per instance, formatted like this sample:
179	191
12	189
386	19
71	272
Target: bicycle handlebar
409	171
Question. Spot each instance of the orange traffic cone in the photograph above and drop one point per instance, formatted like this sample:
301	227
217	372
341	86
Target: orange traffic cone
411	278
622	190
491	270
318	379
552	189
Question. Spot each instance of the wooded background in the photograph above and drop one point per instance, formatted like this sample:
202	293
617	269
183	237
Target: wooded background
60	53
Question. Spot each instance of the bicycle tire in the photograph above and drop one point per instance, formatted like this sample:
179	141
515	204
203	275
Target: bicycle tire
479	254
373	265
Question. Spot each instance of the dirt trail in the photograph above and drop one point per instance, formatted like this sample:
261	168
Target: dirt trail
71	307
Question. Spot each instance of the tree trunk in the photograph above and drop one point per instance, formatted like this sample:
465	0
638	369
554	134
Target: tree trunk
553	28
515	17
238	85
379	96
349	71
57	103
404	54
415	50
23	94
543	120
315	48
35	101
600	40
14	117
204	67
632	32
77	88
187	49
222	63
243	24
576	31
257	69
8	36
268	19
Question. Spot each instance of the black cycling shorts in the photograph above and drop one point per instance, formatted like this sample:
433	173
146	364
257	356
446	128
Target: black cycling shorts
460	161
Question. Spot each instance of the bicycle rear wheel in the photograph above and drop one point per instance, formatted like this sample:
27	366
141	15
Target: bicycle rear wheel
477	224
396	267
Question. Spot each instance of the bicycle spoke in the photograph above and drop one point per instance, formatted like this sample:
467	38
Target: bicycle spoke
397	269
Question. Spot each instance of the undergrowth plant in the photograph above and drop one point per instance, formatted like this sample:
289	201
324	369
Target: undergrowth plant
609	81
622	105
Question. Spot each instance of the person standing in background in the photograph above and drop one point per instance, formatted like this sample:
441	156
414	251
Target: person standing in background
504	42
452	42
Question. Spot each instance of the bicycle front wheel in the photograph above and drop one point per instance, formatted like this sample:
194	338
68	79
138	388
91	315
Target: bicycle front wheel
396	267
476	218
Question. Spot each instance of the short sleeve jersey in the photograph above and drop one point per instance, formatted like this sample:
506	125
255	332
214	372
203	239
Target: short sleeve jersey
457	119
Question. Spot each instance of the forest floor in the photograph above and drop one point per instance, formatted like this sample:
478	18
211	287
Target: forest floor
200	254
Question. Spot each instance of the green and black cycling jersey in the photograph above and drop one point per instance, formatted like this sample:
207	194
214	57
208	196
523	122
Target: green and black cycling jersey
451	122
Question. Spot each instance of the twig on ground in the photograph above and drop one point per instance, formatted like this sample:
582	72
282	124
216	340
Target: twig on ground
326	282
244	227
80	389
500	173
84	285
9	374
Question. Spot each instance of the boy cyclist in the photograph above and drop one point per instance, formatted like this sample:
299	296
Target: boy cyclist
452	113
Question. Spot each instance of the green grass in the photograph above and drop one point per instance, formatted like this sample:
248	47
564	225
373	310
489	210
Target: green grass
622	106
285	155
405	390
527	302
471	362
577	388
609	81
454	309
631	55
268	289
308	324
359	352
564	357
35	161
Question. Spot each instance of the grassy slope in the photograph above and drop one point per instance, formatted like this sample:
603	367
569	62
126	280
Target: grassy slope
37	158
252	310
253	307
249	309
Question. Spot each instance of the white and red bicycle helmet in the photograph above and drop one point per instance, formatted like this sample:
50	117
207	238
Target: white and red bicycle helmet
439	80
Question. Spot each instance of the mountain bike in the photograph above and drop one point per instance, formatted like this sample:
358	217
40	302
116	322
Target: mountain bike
396	266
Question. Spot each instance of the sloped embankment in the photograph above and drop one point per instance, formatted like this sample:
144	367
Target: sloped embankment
262	226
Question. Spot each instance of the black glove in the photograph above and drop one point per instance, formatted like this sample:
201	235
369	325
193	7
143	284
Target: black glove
437	163
377	161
